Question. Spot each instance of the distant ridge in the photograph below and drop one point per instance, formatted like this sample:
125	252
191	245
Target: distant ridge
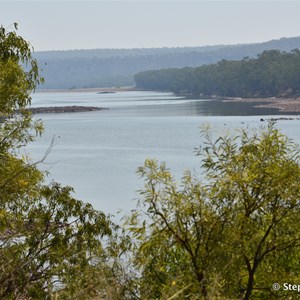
72	69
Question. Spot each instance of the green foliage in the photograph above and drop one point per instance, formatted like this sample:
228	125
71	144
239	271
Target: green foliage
47	238
229	237
15	83
272	74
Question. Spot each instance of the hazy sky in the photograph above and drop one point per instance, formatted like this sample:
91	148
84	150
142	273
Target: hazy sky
136	24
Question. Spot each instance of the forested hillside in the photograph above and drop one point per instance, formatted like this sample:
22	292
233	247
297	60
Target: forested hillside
271	74
116	67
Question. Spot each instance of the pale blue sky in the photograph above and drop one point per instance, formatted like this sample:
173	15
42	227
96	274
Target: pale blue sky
136	24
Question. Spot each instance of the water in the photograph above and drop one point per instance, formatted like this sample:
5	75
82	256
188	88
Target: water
99	152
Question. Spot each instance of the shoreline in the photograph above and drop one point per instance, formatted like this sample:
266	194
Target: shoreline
288	105
63	109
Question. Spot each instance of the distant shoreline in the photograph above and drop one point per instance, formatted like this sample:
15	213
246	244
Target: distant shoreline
64	109
288	105
82	90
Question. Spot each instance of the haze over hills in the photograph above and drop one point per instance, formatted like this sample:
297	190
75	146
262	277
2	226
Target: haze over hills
115	67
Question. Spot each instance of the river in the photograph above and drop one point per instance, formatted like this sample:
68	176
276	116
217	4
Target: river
99	152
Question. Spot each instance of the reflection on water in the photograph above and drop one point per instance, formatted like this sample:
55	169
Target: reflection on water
219	108
137	103
196	108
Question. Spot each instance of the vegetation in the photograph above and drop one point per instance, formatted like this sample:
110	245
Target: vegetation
116	67
46	236
272	74
229	235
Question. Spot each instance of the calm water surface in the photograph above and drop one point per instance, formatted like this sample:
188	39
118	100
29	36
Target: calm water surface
98	152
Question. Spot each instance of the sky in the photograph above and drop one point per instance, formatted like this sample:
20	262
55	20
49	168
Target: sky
63	25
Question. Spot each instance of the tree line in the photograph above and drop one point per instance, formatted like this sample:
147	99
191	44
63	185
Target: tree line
231	235
116	67
272	74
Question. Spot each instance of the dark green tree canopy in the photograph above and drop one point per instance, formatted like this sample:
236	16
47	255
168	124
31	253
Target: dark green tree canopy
271	74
